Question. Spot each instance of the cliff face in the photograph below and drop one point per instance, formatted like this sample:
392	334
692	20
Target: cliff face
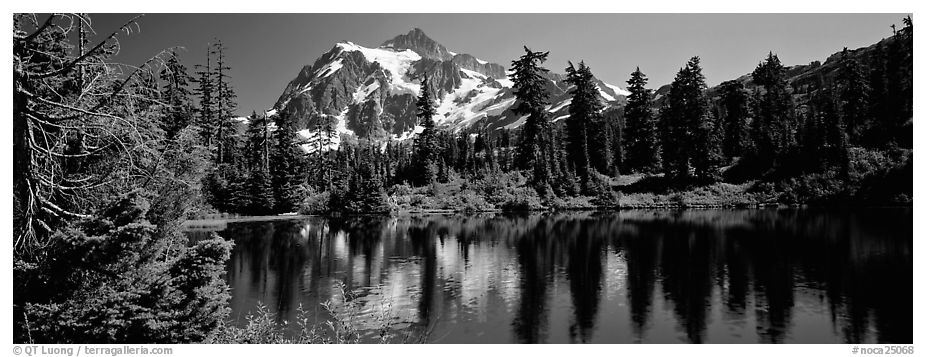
370	92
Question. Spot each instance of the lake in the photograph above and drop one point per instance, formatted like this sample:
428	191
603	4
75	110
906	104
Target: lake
638	276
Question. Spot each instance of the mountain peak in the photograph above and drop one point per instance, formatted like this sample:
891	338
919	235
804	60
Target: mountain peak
416	40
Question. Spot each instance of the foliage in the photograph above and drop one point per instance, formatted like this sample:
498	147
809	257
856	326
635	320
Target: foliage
853	92
154	285
642	146
687	123
341	328
535	148
363	192
286	166
427	146
583	116
734	105
773	124
315	202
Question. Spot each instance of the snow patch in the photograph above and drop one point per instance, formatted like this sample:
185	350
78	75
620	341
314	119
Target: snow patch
396	62
517	123
498	108
470	102
561	105
618	90
408	134
473	74
604	94
365	91
329	69
312	140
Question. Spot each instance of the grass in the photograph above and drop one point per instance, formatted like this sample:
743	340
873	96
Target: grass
714	195
348	325
875	177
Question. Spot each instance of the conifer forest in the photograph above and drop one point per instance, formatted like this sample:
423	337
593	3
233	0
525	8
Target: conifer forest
118	166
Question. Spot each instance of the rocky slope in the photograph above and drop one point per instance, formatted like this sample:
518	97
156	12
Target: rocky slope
367	92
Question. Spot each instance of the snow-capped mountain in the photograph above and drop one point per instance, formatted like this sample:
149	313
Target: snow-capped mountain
370	92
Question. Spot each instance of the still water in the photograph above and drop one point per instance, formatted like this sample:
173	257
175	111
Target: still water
699	276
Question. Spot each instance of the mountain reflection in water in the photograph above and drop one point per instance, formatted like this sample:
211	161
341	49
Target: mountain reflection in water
700	276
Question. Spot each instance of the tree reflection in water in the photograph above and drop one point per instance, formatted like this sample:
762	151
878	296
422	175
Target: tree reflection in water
710	276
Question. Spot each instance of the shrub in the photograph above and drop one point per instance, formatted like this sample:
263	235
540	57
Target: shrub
522	199
344	326
118	278
315	202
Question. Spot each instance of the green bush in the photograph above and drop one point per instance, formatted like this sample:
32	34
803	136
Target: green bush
315	202
117	278
343	328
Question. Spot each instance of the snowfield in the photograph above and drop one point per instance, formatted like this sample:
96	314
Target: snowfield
476	97
395	62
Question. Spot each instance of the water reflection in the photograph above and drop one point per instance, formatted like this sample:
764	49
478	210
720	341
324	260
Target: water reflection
723	276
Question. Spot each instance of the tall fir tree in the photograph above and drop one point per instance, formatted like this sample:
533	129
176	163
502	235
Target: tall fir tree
880	134
772	131
825	141
641	135
853	90
583	110
427	147
178	109
259	186
899	71
364	191
205	92
535	146
286	165
225	106
734	112
690	143
706	153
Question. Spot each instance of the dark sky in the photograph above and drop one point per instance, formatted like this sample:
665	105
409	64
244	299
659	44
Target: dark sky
267	50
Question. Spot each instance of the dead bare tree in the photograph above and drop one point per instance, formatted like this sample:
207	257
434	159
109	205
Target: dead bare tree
73	108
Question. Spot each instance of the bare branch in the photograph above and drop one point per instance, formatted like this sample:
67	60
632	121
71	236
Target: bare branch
40	29
70	65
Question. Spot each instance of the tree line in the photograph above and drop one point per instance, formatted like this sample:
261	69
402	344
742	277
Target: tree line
110	159
764	128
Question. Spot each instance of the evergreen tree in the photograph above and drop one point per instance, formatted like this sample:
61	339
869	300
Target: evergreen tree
614	121
880	133
583	110
706	152
117	278
535	146
88	268
899	73
734	109
363	192
825	140
259	186
772	129
427	147
689	138
641	139
853	96
589	135
178	111
205	92
225	106
286	165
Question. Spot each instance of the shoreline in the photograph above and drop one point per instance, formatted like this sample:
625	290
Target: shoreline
210	221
